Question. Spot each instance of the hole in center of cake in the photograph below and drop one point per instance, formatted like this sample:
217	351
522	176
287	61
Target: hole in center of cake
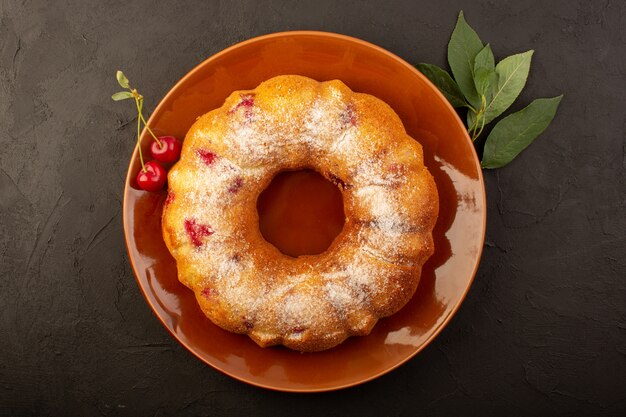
300	212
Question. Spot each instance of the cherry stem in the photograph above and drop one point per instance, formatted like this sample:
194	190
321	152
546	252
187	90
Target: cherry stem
143	166
150	130
139	103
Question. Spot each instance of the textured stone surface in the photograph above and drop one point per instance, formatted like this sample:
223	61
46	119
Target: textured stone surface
542	332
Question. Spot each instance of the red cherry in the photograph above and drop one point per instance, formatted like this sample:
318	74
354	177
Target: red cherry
168	151
153	178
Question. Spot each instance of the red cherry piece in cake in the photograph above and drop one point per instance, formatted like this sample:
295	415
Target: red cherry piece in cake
348	116
197	231
169	199
236	185
397	171
168	151
246	102
207	157
207	292
152	178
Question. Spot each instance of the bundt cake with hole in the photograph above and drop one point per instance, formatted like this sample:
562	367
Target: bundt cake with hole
246	285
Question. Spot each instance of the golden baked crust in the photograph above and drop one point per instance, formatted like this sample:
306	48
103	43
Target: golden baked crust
246	285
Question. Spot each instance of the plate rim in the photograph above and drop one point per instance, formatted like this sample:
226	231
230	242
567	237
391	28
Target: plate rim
321	34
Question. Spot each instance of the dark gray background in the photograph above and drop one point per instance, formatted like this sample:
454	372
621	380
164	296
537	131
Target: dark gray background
542	332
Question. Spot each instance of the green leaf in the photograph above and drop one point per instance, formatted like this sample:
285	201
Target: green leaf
121	79
122	95
515	132
485	59
512	74
485	81
485	77
463	46
444	82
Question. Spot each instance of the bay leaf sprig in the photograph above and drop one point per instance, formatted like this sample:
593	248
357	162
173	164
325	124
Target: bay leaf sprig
487	90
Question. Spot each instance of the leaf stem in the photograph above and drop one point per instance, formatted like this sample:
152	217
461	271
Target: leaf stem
469	106
481	128
479	118
474	126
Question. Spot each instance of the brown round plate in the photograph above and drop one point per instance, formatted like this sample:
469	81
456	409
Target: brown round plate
449	155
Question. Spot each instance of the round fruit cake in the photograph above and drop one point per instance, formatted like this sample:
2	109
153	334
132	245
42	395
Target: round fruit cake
211	225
